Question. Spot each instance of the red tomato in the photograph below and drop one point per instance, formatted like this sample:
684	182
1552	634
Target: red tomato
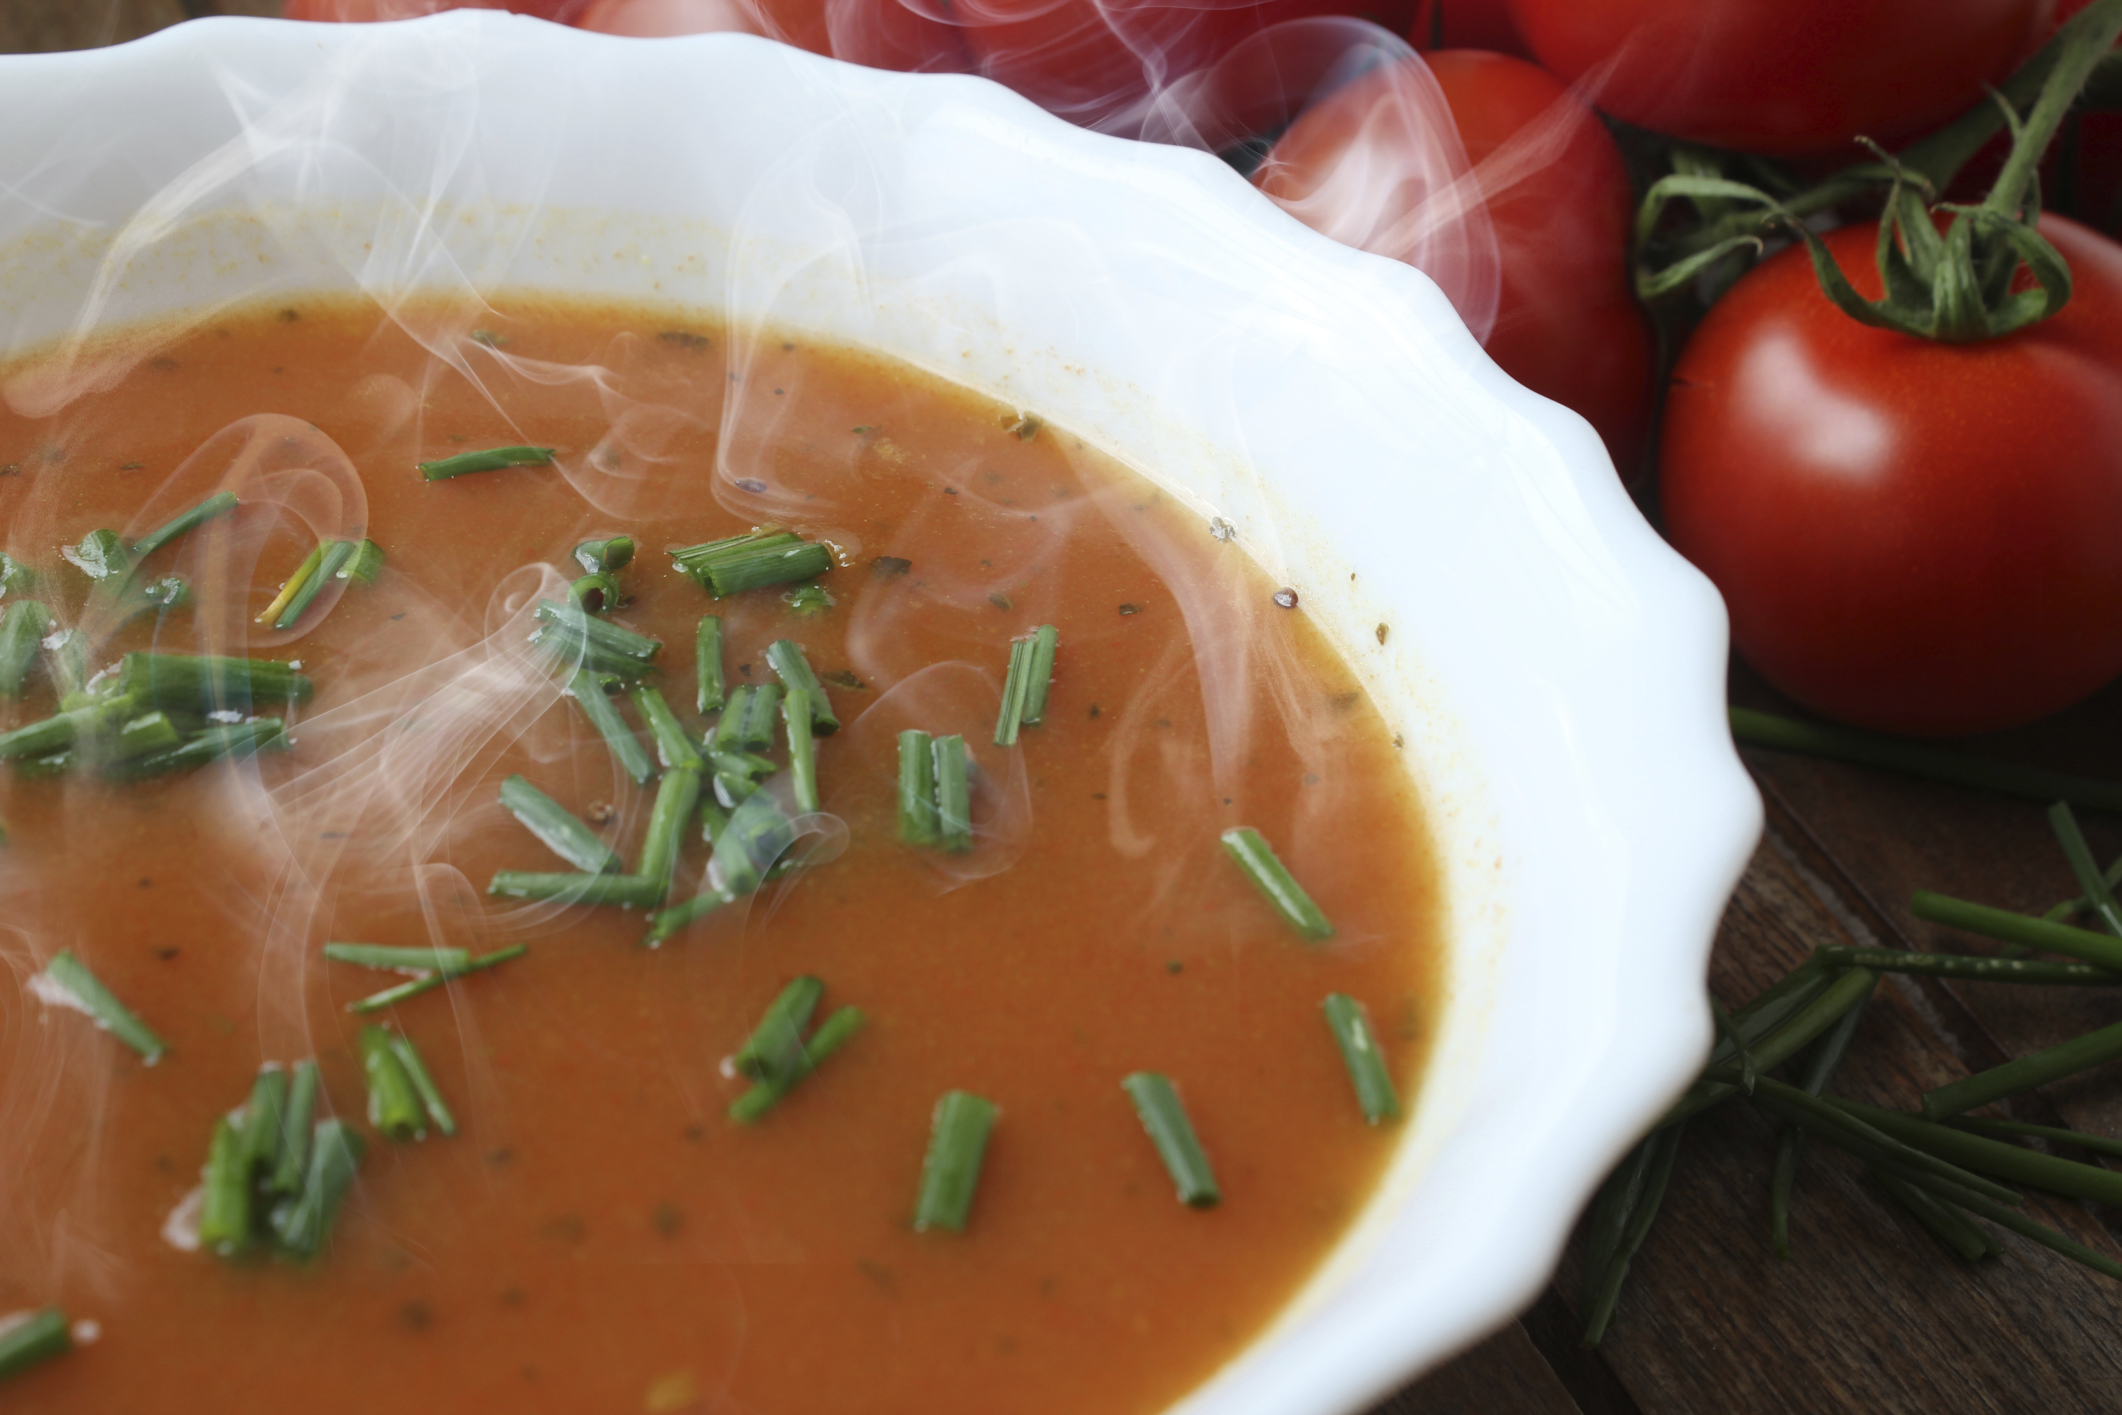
1912	536
1781	76
1566	324
1468	24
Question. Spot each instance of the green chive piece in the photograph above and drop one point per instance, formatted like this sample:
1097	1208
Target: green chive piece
1039	679
1819	1070
1977	966
1945	1223
225	1208
393	1104
1778	1045
39	768
785	657
2101	950
772	1047
66	662
755	730
293	585
2099	896
737	776
571	653
802	749
1761	729
303	1223
668	924
728	736
233	741
391	997
150	732
596	594
23	626
954	795
2098	1144
292	1169
1631	1212
364	565
263	1120
72	978
2070	908
707	648
602	557
423	1082
34	1340
15	576
1365	1060
219	504
957	1145
832	1034
713	816
2024	1073
808	599
2000	1158
1254	856
917	789
626	748
602	632
751	562
336	554
674	745
52	734
101	556
189	684
624	891
677	795
558	829
757	835
491	460
390	958
1157	1104
1024	688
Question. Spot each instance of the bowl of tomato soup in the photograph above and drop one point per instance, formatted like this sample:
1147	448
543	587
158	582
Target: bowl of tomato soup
1131	827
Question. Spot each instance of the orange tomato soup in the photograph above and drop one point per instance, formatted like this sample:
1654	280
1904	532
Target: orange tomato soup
599	1236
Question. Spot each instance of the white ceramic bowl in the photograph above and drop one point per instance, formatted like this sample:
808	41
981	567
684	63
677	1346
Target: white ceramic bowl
1557	672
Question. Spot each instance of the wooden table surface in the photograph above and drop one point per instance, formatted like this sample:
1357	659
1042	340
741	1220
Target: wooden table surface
1869	1314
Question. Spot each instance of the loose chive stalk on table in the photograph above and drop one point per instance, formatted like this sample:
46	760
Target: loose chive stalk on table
32	1339
1158	1107
391	997
1257	858
754	561
832	1034
1024	687
66	980
558	829
2024	1073
492	459
2100	949
950	1173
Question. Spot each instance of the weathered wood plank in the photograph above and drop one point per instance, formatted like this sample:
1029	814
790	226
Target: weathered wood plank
1504	1373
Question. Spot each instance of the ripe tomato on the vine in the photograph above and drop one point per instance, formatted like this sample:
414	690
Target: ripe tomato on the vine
1782	77
1912	536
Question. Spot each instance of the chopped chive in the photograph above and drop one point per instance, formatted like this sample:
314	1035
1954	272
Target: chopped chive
626	748
225	1209
602	557
713	816
1946	1223
917	789
625	891
957	1144
392	959
808	599
263	1119
55	733
737	776
364	565
23	626
293	1166
668	924
1253	855
677	795
1621	1218
169	680
750	562
303	1222
1024	687
707	648
234	741
14	575
2024	1073
2098	1144
674	745
802	749
757	835
150	732
53	764
393	1105
595	594
1995	1157
219	504
491	460
1039	680
391	997
728	735
755	729
602	632
954	795
1761	729
2099	897
832	1034
66	662
1976	966
558	829
423	1082
101	556
785	657
1365	1061
33	1340
72	978
572	651
1157	1103
2103	950
293	585
773	1044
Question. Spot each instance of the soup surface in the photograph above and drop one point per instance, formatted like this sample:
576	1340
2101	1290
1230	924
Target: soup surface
599	1236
